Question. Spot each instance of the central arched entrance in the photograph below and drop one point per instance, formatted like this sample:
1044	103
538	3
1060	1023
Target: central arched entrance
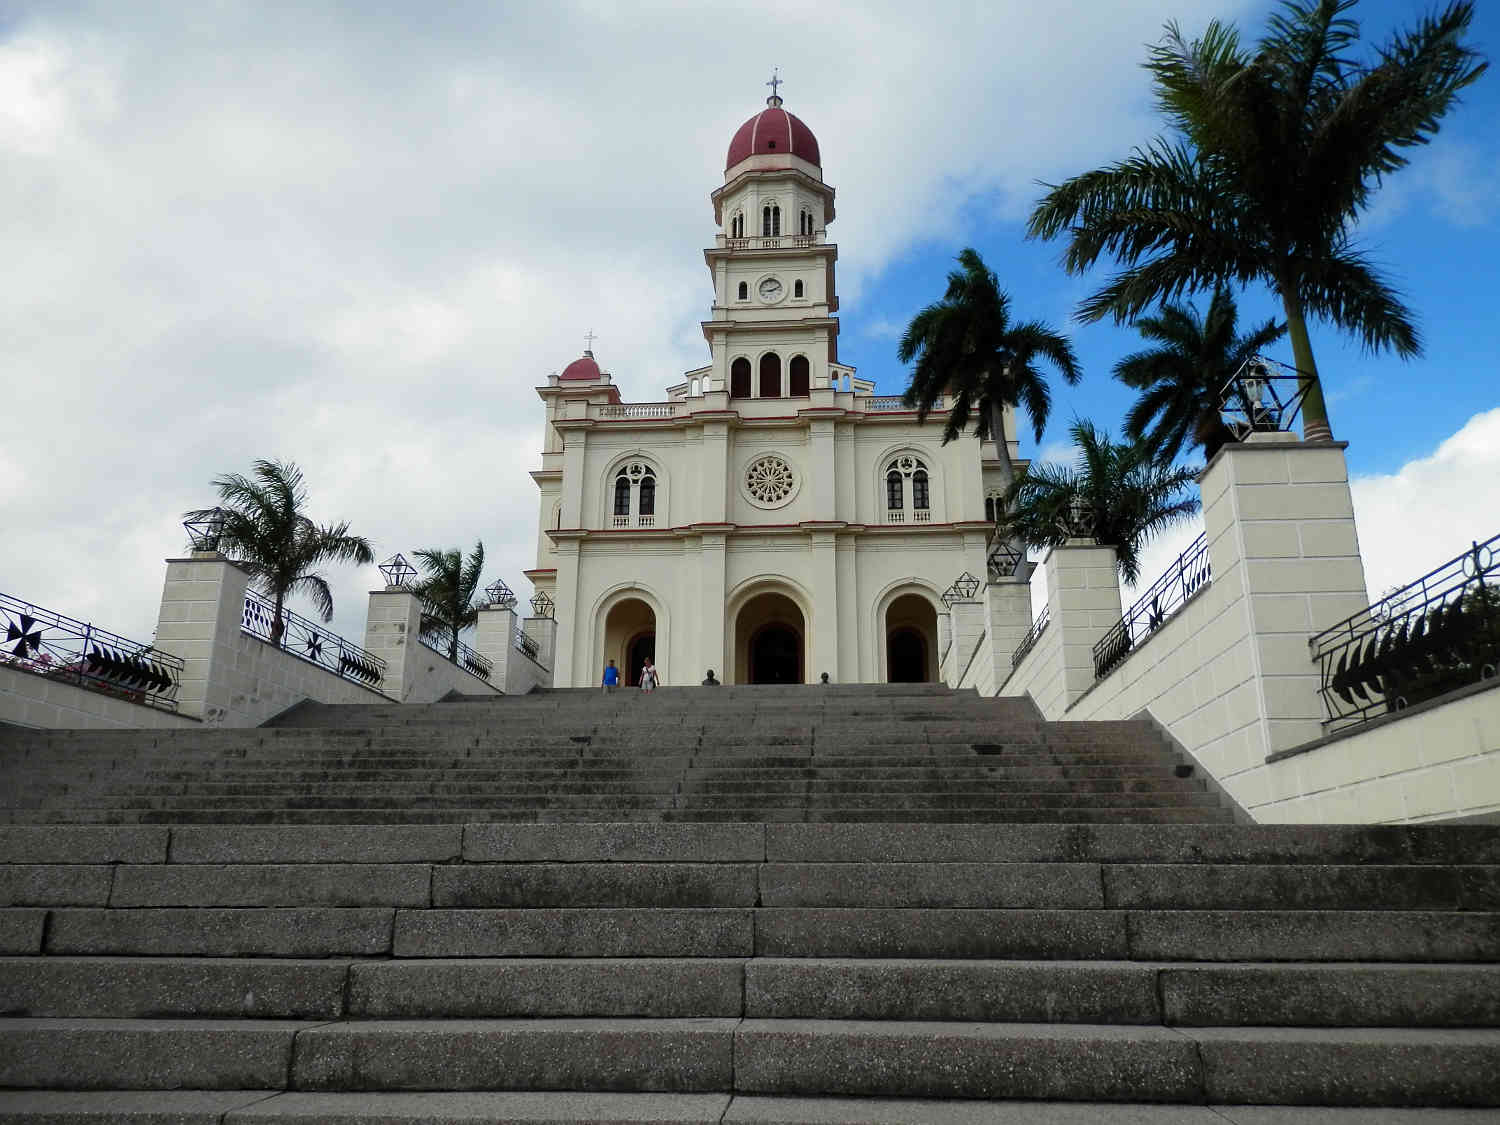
630	638
770	641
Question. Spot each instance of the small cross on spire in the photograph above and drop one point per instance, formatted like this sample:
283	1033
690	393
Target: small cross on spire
775	83
588	342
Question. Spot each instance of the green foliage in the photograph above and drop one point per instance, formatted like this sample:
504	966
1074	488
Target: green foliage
268	533
966	346
1276	153
1117	494
449	591
1180	380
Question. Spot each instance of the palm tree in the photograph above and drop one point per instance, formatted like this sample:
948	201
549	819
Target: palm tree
965	346
450	588
1118	494
1182	379
267	532
1279	152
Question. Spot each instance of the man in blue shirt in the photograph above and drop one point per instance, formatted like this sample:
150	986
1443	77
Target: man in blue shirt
611	677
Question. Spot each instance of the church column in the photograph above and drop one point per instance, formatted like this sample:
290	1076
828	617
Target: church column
570	662
714	478
574	442
848	603
821	469
711	610
824	650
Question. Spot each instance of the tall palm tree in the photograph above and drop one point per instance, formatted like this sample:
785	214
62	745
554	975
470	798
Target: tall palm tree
267	532
1182	378
450	589
1118	494
966	346
1278	152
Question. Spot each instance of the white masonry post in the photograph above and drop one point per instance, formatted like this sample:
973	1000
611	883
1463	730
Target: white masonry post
392	624
1007	606
202	606
1083	602
495	638
1280	527
966	627
543	630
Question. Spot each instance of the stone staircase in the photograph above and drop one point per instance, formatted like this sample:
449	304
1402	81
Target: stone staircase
847	753
789	968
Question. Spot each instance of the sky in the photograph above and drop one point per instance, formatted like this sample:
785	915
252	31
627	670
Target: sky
358	235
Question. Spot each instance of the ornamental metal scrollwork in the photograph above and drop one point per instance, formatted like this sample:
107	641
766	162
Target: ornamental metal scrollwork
770	481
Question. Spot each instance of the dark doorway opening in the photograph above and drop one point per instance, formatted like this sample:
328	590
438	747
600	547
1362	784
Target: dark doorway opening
642	648
776	656
906	657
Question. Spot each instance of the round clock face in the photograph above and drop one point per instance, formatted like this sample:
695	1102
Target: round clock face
770	289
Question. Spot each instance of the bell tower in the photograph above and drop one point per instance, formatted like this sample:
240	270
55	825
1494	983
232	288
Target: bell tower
773	333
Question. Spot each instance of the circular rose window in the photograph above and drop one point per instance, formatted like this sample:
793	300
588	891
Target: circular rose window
770	481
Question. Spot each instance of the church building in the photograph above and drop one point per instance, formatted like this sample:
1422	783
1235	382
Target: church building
771	518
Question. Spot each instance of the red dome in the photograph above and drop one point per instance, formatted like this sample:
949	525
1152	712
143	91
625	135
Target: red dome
773	131
581	369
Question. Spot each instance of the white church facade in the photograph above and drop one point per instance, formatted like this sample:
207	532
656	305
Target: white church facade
771	518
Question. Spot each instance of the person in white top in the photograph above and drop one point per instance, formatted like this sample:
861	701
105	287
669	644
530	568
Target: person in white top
649	679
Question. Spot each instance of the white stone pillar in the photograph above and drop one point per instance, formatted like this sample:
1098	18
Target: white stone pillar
495	638
1280	526
966	624
710	650
824	650
393	623
543	630
1083	601
570	666
202	606
1007	607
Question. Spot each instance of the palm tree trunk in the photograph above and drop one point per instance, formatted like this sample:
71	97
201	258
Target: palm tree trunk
1007	474
1315	425
453	647
278	627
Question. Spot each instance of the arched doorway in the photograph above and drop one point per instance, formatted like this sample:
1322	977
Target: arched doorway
629	637
770	640
905	656
911	641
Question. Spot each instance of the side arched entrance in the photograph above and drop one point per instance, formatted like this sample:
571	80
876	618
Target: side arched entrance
911	654
630	637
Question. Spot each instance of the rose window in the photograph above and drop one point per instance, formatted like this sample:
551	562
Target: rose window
770	481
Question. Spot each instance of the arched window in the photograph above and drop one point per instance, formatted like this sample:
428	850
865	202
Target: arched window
899	494
635	496
737	225
744	290
798	383
805	223
989	509
622	495
797	288
739	378
770	220
770	375
893	490
648	496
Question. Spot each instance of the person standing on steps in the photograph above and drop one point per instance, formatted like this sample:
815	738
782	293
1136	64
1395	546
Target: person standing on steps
709	681
611	678
648	676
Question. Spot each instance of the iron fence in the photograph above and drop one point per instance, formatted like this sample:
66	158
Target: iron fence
526	646
439	638
310	641
59	647
1430	637
1168	594
1028	642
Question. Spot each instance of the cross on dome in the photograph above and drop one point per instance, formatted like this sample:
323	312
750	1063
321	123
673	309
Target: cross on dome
775	83
588	342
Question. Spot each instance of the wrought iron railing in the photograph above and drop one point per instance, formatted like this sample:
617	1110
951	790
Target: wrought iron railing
439	638
1168	594
63	648
1430	637
310	641
527	646
1028	642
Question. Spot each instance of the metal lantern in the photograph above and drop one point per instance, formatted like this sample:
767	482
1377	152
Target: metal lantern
949	596
500	595
398	572
205	529
1263	396
966	586
1004	558
1078	518
541	605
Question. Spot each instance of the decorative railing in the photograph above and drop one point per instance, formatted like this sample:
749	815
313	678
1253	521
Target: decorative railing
773	242
526	646
639	410
439	638
889	404
63	648
1028	642
309	641
1430	637
1168	594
